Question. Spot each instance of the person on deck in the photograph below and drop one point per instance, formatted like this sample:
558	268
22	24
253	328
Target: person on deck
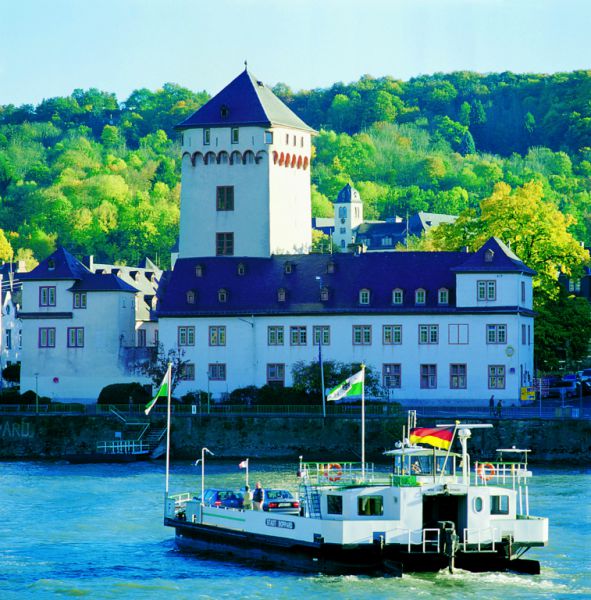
491	405
499	408
258	497
247	503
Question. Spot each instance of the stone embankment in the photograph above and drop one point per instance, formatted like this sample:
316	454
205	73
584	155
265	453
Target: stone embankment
53	437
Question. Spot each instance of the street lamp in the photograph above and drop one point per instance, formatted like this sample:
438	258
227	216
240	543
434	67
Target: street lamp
203	451
37	393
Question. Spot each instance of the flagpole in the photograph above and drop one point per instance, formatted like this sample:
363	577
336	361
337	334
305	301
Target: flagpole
247	471
362	421
169	376
321	374
448	451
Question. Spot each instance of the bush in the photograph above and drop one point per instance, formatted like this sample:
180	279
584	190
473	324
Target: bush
12	373
123	393
11	396
245	395
29	397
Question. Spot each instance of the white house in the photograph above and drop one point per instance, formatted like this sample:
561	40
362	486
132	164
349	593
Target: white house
10	324
79	327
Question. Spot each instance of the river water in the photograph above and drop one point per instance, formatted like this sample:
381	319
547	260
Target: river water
96	531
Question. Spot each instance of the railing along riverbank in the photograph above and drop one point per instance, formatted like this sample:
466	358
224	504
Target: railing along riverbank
376	411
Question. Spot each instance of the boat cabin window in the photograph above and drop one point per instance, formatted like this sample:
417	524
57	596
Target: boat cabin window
370	506
413	464
499	505
334	505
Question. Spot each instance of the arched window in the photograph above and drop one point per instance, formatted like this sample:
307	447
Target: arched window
305	163
324	294
241	270
223	158
287	159
420	296
222	295
235	158
190	297
300	162
275	157
249	158
397	296
198	270
281	295
281	159
443	296
210	158
364	296
261	156
198	159
294	159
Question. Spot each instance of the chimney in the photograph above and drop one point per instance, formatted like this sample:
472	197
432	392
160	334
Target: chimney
88	262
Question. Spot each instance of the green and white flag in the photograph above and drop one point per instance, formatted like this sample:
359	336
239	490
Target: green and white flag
350	387
162	393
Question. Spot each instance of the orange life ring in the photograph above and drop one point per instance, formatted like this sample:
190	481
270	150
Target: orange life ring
336	475
482	471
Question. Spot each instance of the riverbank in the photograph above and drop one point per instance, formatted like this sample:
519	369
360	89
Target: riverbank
53	437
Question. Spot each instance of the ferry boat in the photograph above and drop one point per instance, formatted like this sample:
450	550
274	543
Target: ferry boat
433	509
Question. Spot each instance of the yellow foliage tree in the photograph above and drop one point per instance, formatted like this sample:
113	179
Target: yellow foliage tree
6	251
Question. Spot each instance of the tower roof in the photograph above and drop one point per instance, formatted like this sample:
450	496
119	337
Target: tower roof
347	195
244	101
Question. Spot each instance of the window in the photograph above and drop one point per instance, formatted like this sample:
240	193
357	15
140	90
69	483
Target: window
47	337
386	241
457	376
79	299
334	504
222	295
75	337
321	335
225	197
224	244
496	334
523	334
343	230
342	212
287	138
496	377
392	375
217	372
9	339
275	335
428	377
187	372
443	296
397	296
268	137
217	335
330	266
324	294
420	296
428	334
190	297
361	335
364	296
458	333
529	335
486	290
288	268
391	334
141	338
489	255
235	135
499	505
574	285
206	137
51	264
298	335
47	295
198	270
276	374
370	506
523	291
241	269
281	295
186	336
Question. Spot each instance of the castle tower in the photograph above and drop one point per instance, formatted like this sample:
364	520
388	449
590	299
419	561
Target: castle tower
245	175
348	215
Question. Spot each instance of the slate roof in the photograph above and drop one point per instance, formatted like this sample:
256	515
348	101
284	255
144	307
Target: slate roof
246	101
503	260
61	265
256	292
347	195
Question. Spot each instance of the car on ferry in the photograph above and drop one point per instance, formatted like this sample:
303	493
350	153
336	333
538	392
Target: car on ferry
281	501
226	498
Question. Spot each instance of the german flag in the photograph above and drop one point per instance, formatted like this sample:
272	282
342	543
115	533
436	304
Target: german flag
440	437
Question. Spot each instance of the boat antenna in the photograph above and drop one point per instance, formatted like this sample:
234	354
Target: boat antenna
169	380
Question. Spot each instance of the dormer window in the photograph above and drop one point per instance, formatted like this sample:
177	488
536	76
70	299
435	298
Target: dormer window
199	271
288	268
324	294
420	296
224	111
281	295
241	270
51	264
364	296
489	255
222	295
397	296
330	266
443	296
190	297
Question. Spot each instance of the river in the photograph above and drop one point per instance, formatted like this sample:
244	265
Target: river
96	531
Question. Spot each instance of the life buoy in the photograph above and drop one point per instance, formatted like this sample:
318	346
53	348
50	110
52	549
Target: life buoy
486	471
333	472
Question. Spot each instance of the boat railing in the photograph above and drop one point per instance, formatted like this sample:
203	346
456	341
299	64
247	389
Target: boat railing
123	447
500	473
483	538
343	474
429	540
